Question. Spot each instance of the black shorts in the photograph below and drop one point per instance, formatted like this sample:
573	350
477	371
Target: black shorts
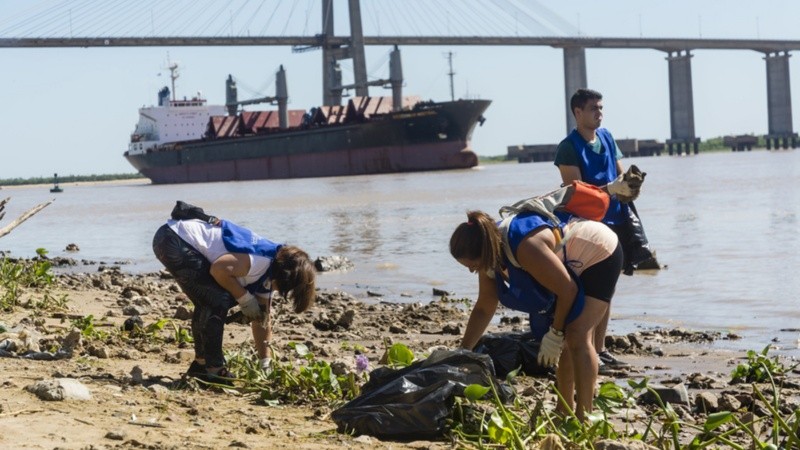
600	280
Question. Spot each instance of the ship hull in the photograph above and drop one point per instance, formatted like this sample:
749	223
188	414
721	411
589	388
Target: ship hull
436	137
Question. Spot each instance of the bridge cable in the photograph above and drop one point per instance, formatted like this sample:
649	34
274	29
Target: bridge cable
246	26
269	20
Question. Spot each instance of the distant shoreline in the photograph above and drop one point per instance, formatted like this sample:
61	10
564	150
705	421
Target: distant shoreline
75	183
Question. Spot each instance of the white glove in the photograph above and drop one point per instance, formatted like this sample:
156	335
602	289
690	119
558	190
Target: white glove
248	303
550	349
620	187
266	365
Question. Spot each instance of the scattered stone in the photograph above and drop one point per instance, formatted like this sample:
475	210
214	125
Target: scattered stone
675	394
706	402
441	292
132	322
58	389
118	435
72	248
331	263
136	375
182	313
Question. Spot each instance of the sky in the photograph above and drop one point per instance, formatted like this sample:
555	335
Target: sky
72	110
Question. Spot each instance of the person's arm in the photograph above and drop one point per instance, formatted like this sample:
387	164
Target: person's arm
262	330
482	312
569	174
227	268
535	254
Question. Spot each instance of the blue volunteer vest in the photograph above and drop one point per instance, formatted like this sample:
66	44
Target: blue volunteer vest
238	239
522	292
600	169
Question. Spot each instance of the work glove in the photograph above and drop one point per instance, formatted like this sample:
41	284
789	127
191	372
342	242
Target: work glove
550	349
249	306
266	365
620	187
634	177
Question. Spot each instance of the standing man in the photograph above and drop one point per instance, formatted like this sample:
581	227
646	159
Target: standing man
590	154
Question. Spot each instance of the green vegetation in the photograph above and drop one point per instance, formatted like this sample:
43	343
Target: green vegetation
759	368
69	179
16	275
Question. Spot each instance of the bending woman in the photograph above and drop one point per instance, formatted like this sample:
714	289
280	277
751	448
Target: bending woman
566	290
220	265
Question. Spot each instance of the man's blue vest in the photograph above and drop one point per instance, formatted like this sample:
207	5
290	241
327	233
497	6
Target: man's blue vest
600	169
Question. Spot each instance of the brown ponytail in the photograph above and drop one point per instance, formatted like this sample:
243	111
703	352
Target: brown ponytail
478	238
294	273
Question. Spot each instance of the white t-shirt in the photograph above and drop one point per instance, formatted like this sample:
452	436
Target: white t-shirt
207	239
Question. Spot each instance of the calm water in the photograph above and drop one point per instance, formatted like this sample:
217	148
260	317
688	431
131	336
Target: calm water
726	225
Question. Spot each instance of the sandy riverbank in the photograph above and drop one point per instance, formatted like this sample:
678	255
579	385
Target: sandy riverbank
150	411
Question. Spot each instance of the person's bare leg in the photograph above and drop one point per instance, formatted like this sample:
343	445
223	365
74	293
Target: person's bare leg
579	338
565	382
600	332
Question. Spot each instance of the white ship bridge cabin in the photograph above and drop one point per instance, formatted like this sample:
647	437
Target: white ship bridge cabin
172	120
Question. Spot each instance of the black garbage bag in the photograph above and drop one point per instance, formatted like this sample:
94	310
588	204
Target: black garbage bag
414	402
510	351
635	246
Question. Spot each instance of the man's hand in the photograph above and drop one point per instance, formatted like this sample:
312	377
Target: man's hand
248	303
620	188
550	349
634	177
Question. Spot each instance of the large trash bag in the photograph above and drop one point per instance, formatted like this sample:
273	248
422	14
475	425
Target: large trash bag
510	351
414	402
635	245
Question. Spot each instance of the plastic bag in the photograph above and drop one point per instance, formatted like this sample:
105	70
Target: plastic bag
635	245
414	402
510	351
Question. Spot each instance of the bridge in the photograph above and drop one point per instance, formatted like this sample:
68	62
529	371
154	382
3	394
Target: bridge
335	48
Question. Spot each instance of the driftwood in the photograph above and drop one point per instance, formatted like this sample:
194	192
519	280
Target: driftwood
25	216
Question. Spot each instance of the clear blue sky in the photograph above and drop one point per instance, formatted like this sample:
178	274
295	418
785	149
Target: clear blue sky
71	111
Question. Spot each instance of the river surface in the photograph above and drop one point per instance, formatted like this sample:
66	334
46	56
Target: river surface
725	224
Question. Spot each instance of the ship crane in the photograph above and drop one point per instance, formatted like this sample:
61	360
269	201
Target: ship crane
281	97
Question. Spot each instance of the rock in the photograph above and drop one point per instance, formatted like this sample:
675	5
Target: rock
728	402
674	394
441	292
117	435
131	323
134	310
346	320
72	248
136	375
451	328
99	351
182	313
58	389
331	263
706	402
397	329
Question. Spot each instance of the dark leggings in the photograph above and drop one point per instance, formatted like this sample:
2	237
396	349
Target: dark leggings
211	302
600	280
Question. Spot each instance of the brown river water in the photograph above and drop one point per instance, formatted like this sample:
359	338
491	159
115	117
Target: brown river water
726	224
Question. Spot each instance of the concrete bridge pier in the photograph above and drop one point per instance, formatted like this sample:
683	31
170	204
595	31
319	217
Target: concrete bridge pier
779	102
681	103
574	77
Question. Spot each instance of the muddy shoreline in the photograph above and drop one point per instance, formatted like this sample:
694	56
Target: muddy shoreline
131	383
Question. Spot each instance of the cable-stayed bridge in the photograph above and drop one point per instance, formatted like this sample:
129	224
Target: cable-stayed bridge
312	25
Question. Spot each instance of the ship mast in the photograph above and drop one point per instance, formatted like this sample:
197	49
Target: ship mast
173	75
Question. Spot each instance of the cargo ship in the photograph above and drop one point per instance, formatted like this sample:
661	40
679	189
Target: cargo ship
188	141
